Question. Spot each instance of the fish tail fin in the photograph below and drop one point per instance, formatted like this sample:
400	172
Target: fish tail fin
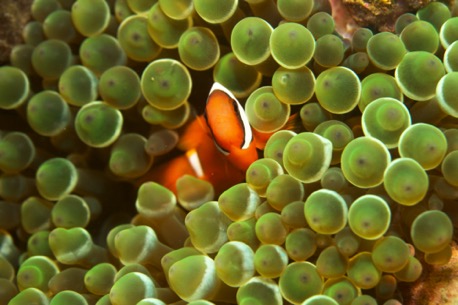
294	124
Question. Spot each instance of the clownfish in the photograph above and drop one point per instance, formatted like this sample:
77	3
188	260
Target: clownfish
219	145
229	127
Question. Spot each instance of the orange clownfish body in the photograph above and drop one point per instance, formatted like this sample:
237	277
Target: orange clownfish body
230	128
219	145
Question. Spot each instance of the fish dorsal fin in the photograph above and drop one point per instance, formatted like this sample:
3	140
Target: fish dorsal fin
227	120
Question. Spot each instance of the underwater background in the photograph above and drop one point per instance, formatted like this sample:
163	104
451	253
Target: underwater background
228	152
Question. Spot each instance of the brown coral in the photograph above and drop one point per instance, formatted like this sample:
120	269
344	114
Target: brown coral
14	14
381	14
